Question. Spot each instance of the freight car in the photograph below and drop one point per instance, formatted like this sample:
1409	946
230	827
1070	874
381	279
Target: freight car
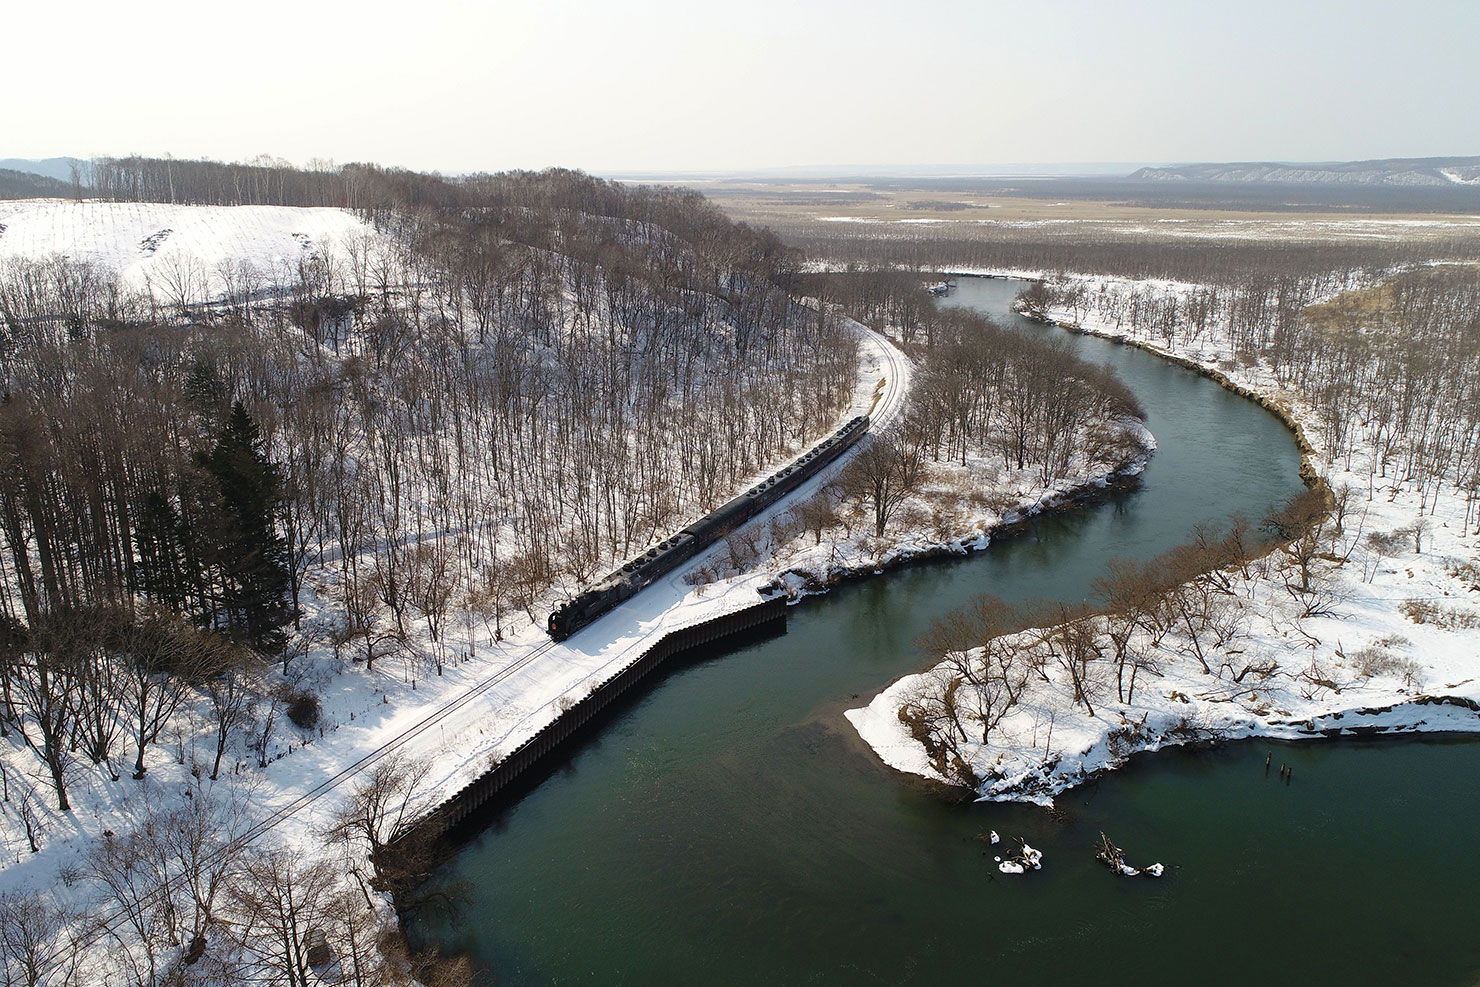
667	555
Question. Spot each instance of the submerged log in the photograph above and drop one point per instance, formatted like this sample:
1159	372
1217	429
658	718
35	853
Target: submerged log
1113	857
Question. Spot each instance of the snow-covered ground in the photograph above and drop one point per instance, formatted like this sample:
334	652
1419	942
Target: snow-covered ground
1393	648
490	696
198	250
520	681
948	515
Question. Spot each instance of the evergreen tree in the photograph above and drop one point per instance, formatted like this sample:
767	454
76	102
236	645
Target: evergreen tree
251	555
161	554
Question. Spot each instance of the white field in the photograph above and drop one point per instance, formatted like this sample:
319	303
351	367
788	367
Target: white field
145	242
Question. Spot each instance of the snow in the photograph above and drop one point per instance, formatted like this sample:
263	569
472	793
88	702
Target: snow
1460	177
490	697
142	241
1366	667
936	520
1026	860
942	523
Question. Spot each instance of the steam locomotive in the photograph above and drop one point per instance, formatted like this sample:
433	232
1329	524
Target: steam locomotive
667	555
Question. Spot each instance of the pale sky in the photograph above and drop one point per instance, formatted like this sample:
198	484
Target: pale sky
671	86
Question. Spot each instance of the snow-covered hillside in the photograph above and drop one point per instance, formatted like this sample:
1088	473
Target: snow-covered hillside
154	245
450	699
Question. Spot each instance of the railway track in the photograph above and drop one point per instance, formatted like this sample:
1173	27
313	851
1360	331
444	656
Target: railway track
888	407
105	924
889	398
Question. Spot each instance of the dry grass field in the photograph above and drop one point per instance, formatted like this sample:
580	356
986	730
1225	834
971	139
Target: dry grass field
975	210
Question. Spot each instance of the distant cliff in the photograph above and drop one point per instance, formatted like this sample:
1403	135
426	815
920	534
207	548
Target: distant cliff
1388	171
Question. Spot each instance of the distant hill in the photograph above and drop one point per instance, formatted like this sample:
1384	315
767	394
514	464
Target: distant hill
23	185
58	168
1443	172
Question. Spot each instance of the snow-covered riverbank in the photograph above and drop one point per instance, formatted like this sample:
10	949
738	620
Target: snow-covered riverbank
958	526
448	703
1380	641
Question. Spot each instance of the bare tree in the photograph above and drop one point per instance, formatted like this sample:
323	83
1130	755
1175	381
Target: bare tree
39	946
817	514
232	700
202	840
934	711
133	872
43	686
166	659
283	900
380	811
1074	640
884	475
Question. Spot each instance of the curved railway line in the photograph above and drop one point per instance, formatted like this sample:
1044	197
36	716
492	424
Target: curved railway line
885	409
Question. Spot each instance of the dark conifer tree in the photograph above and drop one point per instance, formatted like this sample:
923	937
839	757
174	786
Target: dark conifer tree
161	554
252	556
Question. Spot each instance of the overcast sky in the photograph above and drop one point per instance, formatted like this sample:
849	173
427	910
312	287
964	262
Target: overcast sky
670	86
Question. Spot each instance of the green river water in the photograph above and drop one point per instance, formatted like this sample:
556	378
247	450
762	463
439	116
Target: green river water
728	827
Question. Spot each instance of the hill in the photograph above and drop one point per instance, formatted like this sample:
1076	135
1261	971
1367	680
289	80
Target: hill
59	168
25	185
153	244
1442	172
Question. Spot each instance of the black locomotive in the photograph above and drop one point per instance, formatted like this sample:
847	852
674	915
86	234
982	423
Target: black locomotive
665	556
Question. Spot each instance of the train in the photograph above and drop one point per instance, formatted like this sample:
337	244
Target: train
673	551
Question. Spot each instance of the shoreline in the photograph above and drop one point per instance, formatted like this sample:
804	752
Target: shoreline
1310	473
1086	493
1370	712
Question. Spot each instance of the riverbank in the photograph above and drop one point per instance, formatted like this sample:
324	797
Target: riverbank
436	710
955	510
811	573
1373	641
731	820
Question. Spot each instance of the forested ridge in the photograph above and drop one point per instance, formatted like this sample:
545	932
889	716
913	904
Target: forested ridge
227	489
984	391
515	381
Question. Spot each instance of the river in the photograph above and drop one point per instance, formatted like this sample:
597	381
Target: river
728	827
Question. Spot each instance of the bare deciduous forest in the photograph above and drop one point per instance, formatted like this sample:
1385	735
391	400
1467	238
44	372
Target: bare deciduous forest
512	382
1390	359
545	373
1379	345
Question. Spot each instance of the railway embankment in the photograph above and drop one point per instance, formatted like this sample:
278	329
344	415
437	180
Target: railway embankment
463	813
